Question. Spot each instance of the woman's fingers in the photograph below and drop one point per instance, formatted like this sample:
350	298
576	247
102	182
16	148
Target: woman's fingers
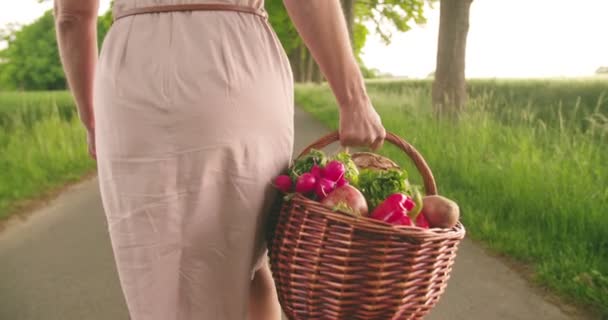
361	126
378	143
372	137
91	144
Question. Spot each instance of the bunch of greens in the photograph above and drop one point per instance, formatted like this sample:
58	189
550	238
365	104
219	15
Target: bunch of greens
377	185
304	163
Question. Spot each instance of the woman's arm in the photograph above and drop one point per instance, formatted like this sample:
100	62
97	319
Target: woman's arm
76	25
322	26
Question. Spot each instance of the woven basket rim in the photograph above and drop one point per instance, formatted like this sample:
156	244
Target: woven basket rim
370	224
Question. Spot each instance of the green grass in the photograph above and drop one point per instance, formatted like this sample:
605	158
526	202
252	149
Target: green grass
529	184
42	146
570	103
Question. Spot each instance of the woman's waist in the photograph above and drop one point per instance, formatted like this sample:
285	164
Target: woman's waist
124	7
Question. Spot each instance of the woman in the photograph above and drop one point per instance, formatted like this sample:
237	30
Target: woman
189	113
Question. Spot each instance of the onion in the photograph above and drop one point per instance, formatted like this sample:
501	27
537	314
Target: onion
324	187
334	170
440	212
347	198
283	183
306	183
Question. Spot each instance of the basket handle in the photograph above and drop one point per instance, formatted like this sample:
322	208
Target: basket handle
423	168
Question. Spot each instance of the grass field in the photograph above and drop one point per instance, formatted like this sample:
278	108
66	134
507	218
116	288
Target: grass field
528	164
42	146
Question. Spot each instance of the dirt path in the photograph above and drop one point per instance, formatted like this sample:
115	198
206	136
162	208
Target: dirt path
58	265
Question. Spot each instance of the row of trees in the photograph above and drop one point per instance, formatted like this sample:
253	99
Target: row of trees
31	59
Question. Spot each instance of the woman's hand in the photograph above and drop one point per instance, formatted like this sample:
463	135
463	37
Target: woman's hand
360	125
91	143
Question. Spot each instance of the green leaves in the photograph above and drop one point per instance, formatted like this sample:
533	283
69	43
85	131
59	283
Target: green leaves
305	163
31	59
387	14
281	23
384	16
377	185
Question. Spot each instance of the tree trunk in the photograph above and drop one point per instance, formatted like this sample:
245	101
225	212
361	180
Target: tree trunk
317	76
348	6
310	64
449	86
302	62
294	61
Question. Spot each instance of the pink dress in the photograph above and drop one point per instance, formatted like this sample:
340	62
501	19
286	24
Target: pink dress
194	117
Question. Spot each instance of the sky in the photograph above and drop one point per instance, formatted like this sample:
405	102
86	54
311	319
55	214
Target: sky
507	38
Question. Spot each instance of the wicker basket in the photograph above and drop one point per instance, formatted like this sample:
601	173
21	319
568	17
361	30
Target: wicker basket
329	265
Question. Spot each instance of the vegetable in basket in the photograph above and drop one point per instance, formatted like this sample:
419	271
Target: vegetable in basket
317	171
351	173
306	162
419	203
397	209
394	208
306	183
347	199
283	183
440	212
378	185
422	222
334	170
323	188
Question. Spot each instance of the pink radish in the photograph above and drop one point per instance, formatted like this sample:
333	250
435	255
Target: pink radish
323	188
317	171
283	183
342	182
306	183
334	170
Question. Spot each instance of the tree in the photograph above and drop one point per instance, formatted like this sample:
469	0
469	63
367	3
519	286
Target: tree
602	70
31	59
383	15
449	87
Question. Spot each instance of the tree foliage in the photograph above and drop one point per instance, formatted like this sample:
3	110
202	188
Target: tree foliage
387	14
31	60
383	16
